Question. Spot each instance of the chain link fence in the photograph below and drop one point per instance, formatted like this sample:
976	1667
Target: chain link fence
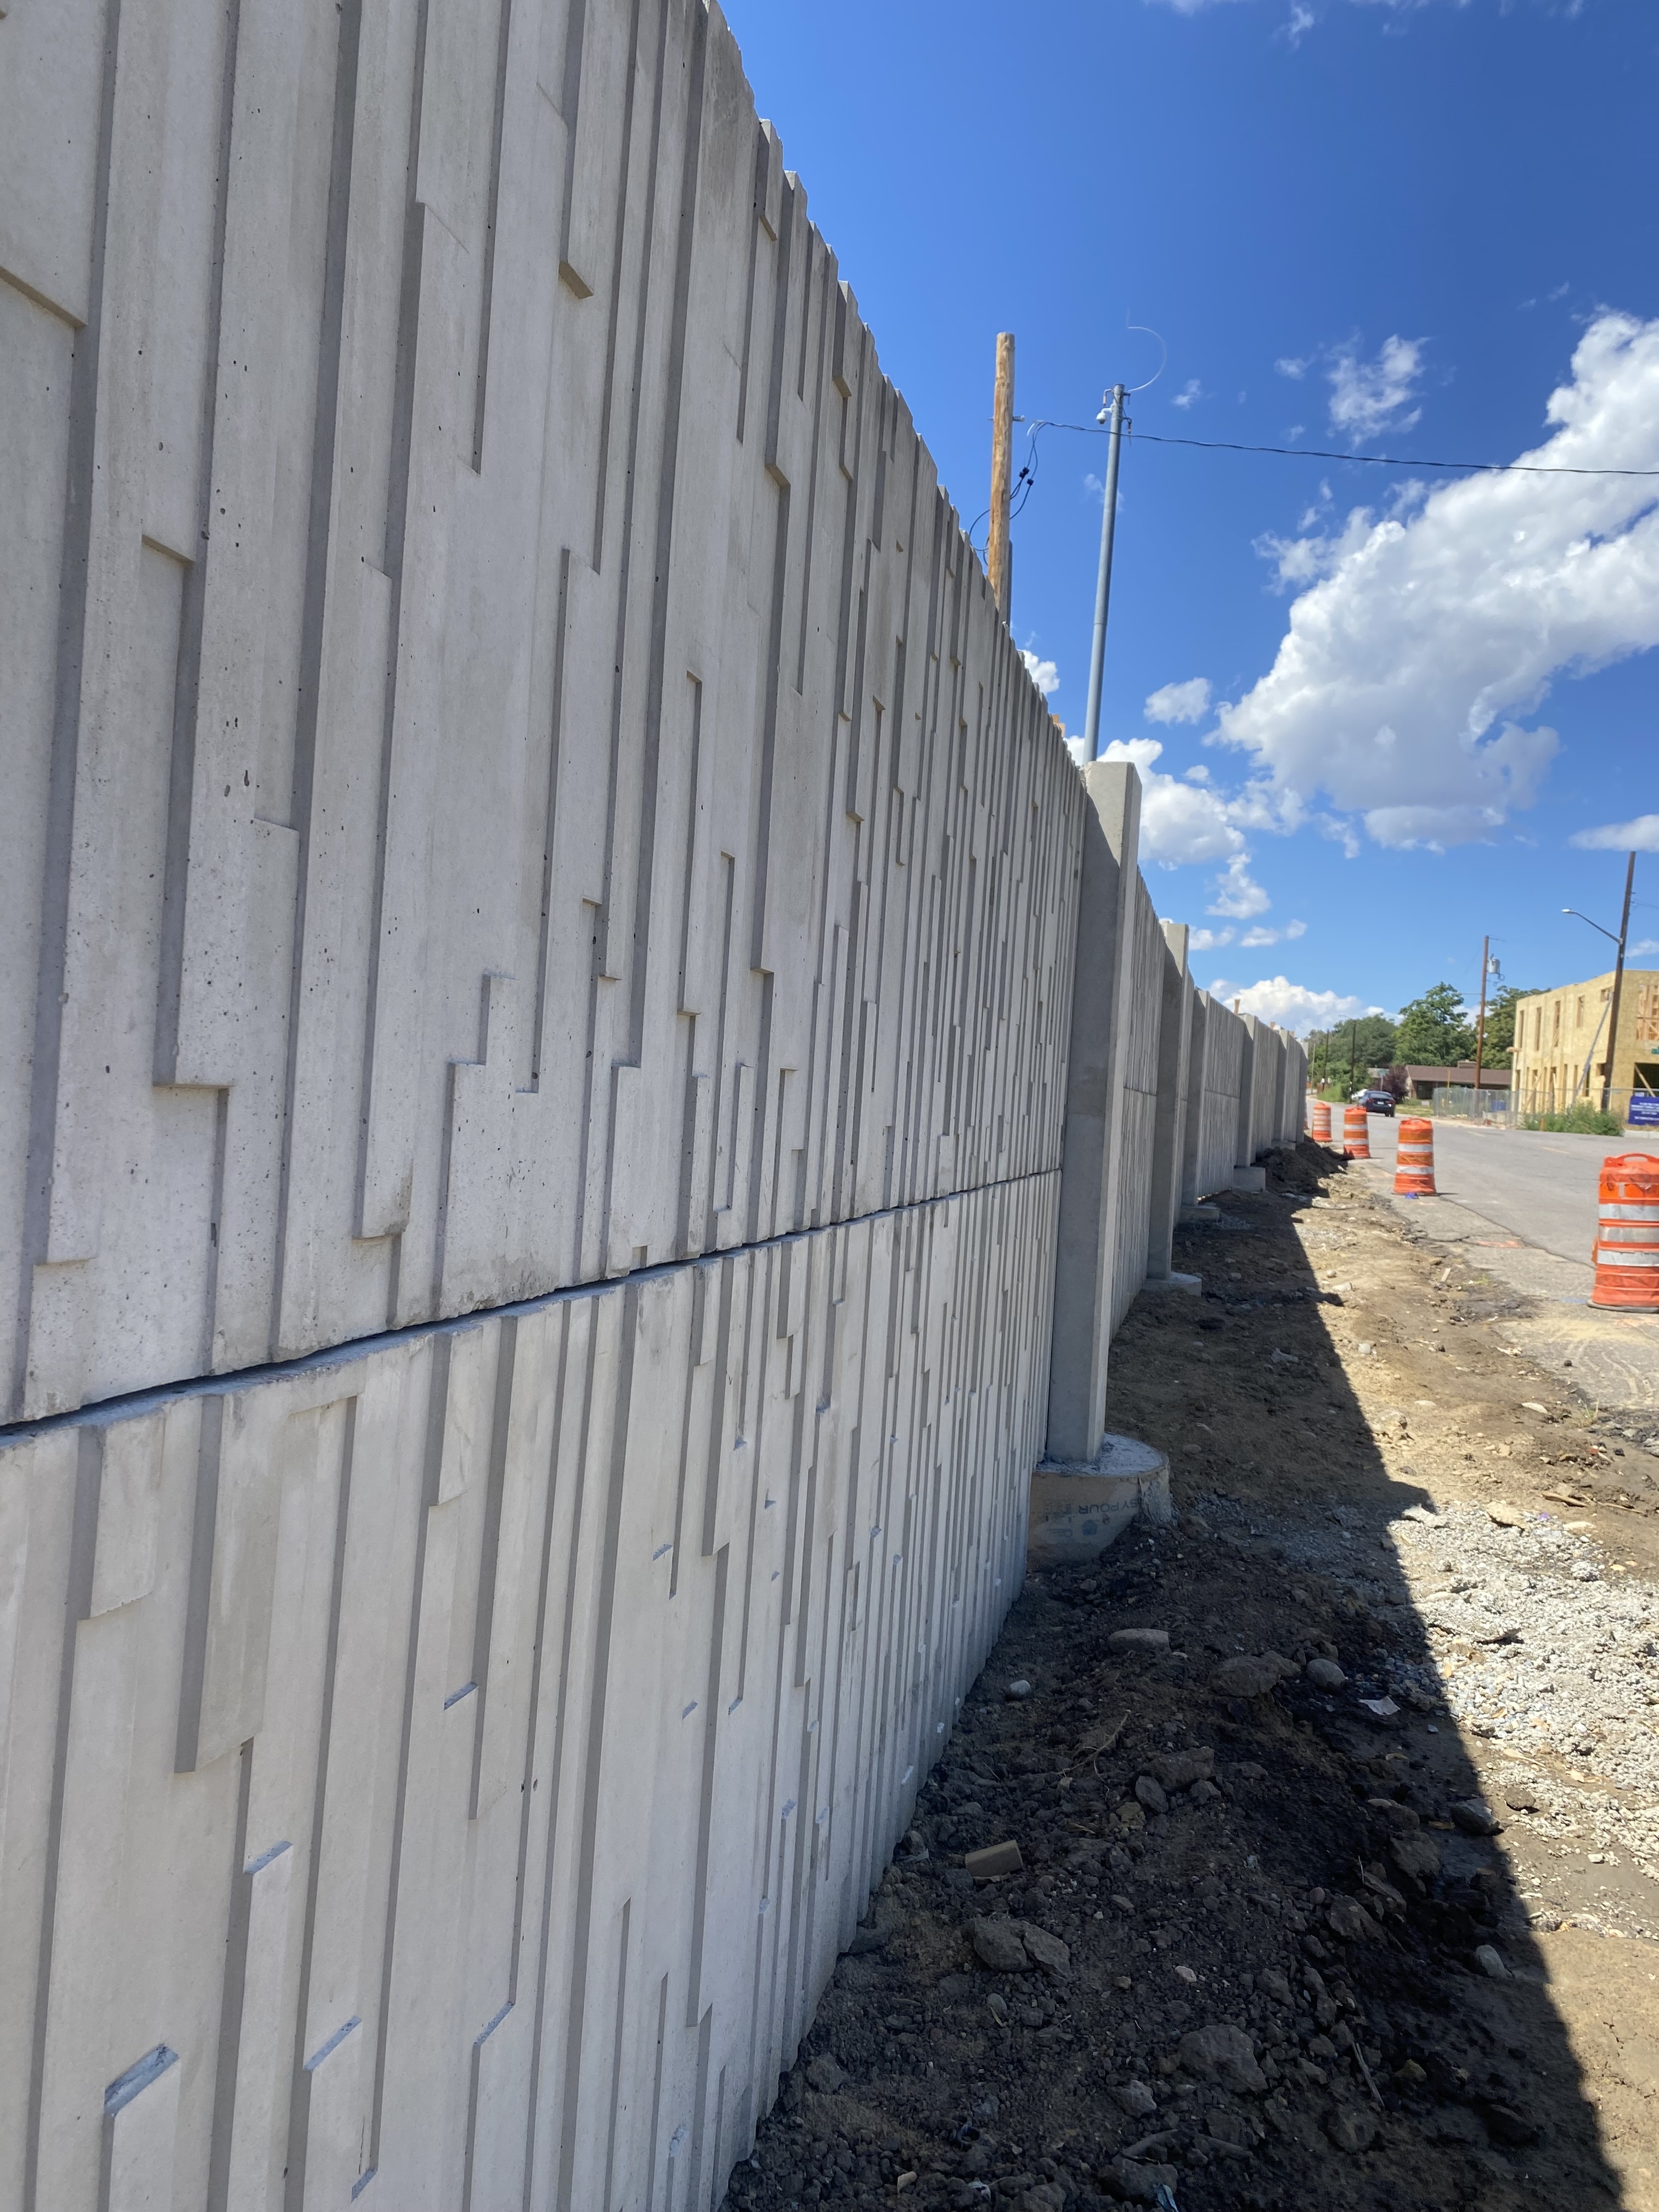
1461	1102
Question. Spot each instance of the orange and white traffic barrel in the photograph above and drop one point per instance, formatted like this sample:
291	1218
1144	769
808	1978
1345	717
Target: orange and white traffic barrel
1627	1252
1414	1174
1319	1121
1356	1133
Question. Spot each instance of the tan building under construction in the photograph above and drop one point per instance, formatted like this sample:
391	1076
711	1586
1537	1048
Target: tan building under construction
1561	1043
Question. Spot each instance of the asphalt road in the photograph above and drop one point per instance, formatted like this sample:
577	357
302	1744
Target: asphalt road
1539	1187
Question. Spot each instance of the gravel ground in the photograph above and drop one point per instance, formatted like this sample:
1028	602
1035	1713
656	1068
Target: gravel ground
1575	1673
1326	1806
1529	1644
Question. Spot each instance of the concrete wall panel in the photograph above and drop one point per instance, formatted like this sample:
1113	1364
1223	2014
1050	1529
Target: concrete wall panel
562	1679
1216	1095
1133	1214
527	781
1267	1076
1246	1096
541	1037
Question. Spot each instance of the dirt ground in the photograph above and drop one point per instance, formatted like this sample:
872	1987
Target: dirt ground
1282	1938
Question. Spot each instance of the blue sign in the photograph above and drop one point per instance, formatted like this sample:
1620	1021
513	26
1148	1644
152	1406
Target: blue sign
1643	1110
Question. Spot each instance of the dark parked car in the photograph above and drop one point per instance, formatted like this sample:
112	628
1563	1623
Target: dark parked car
1374	1102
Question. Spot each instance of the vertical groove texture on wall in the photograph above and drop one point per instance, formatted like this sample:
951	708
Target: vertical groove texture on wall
1214	1089
1278	1075
479	1797
513	771
520	805
534	875
1139	1103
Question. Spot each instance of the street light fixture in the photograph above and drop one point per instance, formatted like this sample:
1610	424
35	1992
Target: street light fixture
1607	933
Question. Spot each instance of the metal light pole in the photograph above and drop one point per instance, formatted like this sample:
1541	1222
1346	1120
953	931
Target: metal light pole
1480	1024
1617	985
1617	976
1104	582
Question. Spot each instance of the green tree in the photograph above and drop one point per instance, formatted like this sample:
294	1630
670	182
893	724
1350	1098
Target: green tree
1433	1031
1371	1044
1500	1025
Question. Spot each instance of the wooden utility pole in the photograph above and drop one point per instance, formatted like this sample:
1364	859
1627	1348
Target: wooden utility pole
1480	1021
1618	988
998	559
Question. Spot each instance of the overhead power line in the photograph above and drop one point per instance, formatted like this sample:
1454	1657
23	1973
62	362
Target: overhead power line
1319	453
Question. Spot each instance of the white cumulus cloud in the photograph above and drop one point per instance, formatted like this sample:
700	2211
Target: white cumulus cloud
1179	820
1424	635
1237	895
1292	1005
1208	941
1180	703
1641	836
1043	673
1189	391
1368	396
1261	934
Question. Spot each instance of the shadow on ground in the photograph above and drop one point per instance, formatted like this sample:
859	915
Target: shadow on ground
1264	1948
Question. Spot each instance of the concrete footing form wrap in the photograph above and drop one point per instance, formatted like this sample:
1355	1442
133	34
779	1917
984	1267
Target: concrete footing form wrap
544	1118
1078	1512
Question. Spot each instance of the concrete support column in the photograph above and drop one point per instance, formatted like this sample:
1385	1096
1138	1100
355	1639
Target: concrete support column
1203	1011
1094	1094
1169	1131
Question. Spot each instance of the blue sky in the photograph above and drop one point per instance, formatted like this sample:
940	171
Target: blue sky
1365	225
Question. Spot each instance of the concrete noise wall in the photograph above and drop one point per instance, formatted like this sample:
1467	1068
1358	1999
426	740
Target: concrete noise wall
460	1761
513	772
537	895
549	1101
1243	1096
1133	1214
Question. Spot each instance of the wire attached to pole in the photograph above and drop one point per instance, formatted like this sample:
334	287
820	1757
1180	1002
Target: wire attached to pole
1319	453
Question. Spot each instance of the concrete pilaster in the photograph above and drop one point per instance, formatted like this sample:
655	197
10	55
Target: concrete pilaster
1094	1091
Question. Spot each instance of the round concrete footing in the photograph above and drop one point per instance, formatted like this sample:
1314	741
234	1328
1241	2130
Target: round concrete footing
1078	1508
